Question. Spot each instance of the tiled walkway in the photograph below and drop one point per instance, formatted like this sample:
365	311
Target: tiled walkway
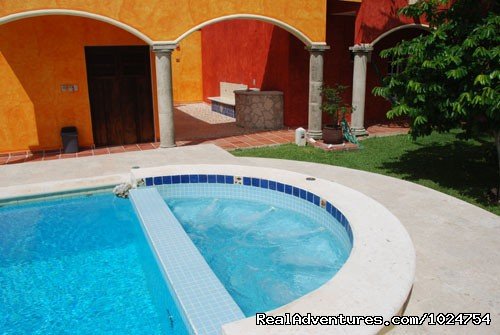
194	124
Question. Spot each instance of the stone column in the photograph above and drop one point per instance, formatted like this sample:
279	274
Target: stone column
314	127
163	61
362	54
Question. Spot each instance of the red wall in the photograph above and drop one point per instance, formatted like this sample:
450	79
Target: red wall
378	16
376	107
338	61
241	51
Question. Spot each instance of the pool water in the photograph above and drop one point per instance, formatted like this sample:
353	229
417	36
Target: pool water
265	256
81	266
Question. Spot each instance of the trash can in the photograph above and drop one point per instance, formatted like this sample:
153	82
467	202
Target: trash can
69	137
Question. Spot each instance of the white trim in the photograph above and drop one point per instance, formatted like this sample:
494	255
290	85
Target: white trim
43	12
71	12
297	33
405	26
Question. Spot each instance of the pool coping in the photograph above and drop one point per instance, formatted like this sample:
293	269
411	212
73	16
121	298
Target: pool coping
375	280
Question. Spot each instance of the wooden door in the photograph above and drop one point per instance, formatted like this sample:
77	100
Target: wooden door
119	81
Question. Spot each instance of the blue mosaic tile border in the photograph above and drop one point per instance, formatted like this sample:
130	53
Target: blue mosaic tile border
223	109
255	182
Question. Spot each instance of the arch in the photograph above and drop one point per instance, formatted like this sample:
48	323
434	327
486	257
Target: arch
71	12
405	26
295	32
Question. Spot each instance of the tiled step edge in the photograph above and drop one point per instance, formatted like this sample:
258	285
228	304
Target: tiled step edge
204	303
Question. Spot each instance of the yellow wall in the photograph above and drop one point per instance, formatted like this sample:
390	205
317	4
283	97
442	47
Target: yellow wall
164	20
186	70
39	54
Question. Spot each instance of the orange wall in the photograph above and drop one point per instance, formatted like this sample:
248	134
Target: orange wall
39	54
186	70
166	20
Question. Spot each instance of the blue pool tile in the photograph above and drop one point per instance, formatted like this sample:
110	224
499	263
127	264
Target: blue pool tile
264	183
303	194
184	179
193	179
167	180
296	192
229	180
310	196
256	182
328	207
202	178
176	179
288	189
344	222
212	179
272	185
247	181
280	187
338	215
220	179
149	181
316	200
158	180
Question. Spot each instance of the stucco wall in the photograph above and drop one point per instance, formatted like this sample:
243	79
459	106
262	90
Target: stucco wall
377	107
378	16
261	55
39	54
167	20
338	60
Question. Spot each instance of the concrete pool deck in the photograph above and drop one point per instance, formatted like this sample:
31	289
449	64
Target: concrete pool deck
457	244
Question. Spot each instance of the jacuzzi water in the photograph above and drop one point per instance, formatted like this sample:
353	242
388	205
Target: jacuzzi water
266	256
80	266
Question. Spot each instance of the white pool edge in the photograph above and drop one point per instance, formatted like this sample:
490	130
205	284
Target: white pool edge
377	277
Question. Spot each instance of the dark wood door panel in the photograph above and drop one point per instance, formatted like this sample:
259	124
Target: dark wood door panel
119	81
129	109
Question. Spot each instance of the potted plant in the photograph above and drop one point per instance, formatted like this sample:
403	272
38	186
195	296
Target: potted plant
333	104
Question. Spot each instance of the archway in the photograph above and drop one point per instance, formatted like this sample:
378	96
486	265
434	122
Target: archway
45	83
78	13
379	67
240	51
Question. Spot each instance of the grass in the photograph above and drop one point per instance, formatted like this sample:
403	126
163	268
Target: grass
467	170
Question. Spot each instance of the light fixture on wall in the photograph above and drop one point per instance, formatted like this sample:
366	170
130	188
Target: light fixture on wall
69	88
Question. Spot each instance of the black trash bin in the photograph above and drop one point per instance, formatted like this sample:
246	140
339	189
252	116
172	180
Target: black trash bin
69	137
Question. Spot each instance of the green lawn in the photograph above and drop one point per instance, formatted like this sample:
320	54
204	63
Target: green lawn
463	169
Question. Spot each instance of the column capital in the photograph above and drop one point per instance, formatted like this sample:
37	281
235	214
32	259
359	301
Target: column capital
361	48
163	47
317	47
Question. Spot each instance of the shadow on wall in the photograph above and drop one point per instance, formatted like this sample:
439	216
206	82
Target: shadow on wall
17	111
377	107
375	17
257	54
287	70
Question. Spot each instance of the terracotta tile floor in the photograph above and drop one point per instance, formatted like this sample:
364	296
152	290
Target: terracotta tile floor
194	124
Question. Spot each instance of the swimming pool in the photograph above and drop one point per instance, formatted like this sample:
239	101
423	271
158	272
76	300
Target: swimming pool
266	255
376	278
80	265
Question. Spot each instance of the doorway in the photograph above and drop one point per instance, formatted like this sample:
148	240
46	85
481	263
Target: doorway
119	82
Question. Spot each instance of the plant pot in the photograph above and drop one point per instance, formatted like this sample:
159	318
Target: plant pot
333	135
